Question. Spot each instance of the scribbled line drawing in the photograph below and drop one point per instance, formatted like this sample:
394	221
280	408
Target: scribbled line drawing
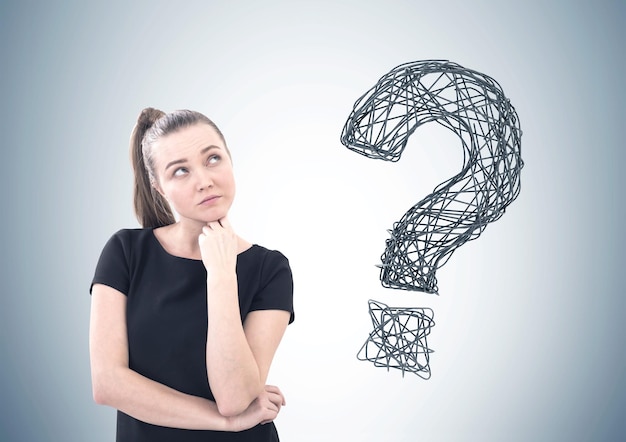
399	338
473	106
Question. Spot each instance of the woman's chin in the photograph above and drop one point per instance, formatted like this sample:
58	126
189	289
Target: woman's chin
203	218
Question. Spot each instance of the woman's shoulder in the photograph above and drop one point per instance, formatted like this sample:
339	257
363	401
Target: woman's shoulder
258	250
129	238
133	234
266	260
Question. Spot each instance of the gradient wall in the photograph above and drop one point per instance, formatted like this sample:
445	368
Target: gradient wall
529	335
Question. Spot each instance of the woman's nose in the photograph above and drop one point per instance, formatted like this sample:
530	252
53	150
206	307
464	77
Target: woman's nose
205	180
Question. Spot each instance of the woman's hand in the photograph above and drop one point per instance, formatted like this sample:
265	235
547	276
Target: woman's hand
262	410
218	247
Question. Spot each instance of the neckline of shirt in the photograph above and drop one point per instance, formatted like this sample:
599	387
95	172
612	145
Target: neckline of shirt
163	250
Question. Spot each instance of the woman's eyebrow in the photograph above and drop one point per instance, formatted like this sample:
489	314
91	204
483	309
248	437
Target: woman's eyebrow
208	148
171	163
184	160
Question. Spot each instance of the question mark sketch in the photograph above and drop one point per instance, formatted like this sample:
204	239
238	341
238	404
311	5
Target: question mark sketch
473	106
399	338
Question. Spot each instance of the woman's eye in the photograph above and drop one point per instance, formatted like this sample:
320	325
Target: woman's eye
214	159
180	172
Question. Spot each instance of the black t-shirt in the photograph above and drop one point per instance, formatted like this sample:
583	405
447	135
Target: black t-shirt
167	320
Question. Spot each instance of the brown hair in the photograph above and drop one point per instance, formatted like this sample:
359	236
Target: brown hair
151	208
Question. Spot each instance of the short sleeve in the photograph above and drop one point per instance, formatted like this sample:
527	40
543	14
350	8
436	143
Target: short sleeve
276	291
113	266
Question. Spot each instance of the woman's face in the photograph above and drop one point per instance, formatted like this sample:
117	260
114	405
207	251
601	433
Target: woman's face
194	173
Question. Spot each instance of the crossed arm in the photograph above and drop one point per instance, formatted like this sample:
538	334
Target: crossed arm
238	358
242	398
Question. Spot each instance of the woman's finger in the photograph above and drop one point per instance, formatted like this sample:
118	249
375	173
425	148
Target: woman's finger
224	222
275	390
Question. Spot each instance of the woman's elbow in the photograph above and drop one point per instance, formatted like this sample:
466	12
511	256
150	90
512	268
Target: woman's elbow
103	388
230	408
231	404
233	400
100	394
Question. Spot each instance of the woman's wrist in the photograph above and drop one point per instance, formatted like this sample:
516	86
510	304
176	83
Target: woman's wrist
218	422
232	424
222	282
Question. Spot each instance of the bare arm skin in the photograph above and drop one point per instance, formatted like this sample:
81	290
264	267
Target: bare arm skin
116	385
238	356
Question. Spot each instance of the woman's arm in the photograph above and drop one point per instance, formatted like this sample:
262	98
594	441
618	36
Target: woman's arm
116	385
238	356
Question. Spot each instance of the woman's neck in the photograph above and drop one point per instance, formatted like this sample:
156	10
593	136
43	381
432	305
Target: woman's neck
181	239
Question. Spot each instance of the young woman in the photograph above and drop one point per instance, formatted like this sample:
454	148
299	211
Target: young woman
186	316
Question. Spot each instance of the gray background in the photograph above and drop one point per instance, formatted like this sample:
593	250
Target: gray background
529	341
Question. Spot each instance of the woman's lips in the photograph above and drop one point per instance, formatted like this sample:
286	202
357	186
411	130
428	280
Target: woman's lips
209	200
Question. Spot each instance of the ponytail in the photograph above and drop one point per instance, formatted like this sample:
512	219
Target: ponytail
151	209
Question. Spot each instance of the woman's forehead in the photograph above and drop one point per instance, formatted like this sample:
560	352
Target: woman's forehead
189	140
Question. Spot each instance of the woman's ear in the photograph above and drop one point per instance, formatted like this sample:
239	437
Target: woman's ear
157	187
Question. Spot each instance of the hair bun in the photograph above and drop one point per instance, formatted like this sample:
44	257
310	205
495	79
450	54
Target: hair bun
148	117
